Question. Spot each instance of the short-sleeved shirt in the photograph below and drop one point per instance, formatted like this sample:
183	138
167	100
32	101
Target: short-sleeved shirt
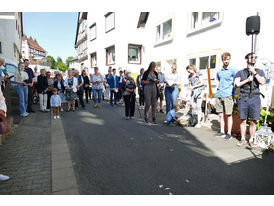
193	81
170	115
243	77
147	77
95	78
30	74
226	79
21	78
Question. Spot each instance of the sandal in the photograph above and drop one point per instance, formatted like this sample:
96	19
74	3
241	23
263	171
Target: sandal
251	144
242	143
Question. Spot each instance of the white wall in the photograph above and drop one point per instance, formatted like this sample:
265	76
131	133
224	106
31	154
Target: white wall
125	33
10	34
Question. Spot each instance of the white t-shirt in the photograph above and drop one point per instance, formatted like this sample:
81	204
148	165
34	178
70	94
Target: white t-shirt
95	78
173	79
22	77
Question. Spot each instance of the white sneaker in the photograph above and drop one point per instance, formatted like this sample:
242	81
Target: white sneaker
140	107
47	110
197	126
24	115
58	117
165	122
143	107
54	117
62	109
3	177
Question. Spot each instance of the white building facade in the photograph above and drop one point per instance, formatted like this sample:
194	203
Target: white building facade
131	40
11	33
74	64
81	42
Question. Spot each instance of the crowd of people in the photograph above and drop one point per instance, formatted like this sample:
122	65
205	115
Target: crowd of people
153	87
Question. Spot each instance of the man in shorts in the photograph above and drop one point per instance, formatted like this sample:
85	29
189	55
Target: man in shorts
224	95
249	104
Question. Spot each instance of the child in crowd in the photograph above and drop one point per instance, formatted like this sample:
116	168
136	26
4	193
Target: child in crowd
171	118
55	103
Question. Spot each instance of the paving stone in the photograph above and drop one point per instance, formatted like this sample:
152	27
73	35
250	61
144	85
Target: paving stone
26	157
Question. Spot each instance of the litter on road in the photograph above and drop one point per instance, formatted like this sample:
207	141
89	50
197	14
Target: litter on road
187	181
167	188
160	186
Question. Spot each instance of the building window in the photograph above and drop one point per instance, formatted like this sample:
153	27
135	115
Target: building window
202	20
164	31
134	54
109	21
0	47
110	55
92	32
93	60
83	26
143	19
203	61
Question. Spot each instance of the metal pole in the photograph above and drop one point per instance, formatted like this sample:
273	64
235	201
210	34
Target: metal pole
252	50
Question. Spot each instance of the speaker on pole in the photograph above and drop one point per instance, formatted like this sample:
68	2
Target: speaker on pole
253	25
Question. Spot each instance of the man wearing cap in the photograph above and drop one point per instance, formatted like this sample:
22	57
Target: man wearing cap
249	103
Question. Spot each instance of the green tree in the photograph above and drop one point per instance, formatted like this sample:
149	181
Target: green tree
68	59
51	60
59	60
61	66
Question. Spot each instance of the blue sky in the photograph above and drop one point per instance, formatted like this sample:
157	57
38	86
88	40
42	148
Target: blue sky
54	31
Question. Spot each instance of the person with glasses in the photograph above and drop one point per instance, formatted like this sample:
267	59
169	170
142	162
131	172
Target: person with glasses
249	102
224	96
173	80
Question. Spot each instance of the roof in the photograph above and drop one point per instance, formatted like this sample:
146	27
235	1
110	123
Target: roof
32	44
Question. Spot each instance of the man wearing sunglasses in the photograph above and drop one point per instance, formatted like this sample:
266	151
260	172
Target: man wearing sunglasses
249	103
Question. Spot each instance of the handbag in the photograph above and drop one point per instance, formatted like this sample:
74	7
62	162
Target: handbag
4	127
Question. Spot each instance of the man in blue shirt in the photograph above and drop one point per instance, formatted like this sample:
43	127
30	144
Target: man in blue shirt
224	95
114	86
30	85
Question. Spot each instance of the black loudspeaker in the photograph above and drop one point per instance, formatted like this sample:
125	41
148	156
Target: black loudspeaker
253	25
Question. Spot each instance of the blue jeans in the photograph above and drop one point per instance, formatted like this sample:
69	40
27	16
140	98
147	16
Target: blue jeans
22	92
171	94
112	93
94	95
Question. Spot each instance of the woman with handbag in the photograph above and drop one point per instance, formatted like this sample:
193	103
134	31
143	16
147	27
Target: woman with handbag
59	85
21	79
196	85
70	84
3	125
150	81
129	87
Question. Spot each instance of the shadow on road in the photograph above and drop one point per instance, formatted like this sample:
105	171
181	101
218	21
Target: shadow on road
112	155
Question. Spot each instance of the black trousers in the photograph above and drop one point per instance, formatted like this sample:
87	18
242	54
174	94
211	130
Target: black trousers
87	94
49	93
141	97
80	94
30	99
129	105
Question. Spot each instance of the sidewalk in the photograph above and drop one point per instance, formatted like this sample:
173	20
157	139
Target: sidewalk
27	157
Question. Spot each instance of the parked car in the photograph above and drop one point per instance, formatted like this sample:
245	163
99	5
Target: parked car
11	68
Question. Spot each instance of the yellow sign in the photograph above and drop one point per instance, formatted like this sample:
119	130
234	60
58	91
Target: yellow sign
134	76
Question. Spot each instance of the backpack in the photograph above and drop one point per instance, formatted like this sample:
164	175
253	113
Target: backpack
192	121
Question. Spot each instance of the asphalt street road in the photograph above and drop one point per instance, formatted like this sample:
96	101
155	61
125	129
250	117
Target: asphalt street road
112	156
